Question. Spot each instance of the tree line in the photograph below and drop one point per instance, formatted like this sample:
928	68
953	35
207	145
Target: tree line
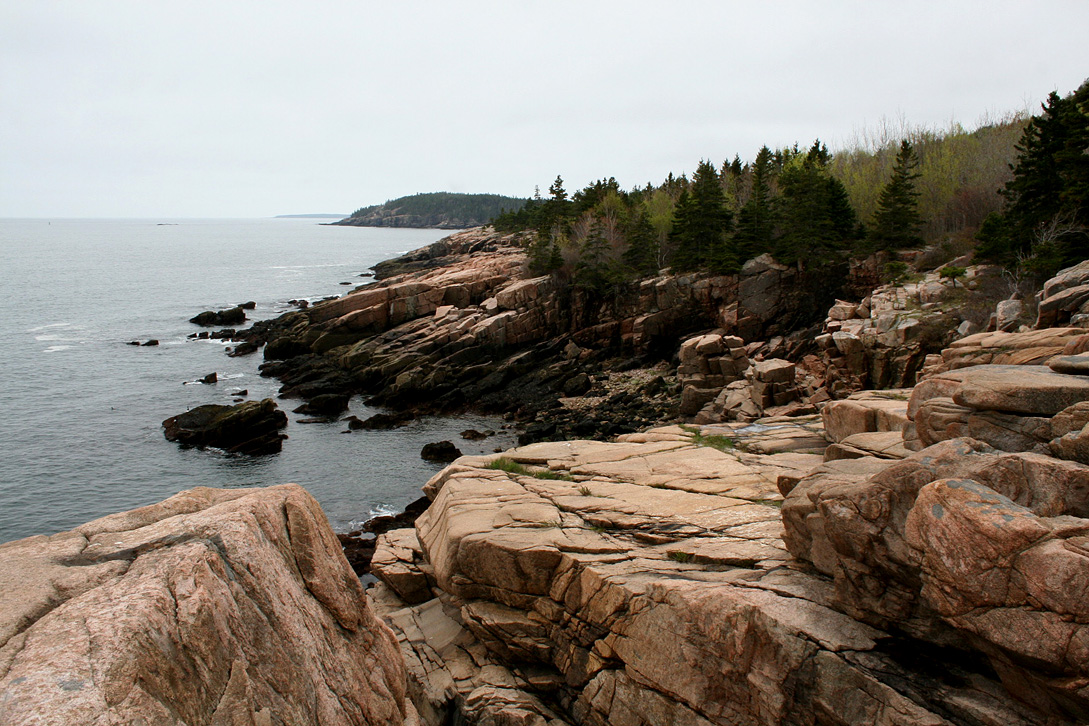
811	208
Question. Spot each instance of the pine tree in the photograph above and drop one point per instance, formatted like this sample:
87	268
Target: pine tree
896	222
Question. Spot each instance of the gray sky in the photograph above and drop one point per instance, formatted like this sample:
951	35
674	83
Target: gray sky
145	108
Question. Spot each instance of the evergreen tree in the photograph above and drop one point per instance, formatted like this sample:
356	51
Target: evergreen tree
701	224
642	252
896	222
756	220
815	218
1046	217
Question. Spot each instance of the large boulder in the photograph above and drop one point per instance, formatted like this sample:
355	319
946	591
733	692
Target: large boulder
230	316
962	545
251	427
212	607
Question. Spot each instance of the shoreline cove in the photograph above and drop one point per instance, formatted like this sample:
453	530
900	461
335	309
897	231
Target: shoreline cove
783	545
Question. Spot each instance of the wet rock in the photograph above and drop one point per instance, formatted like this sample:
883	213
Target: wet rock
285	347
231	316
473	435
247	428
385	421
209	379
327	404
440	451
243	348
150	343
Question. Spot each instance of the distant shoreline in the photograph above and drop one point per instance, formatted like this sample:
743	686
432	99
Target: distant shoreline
310	216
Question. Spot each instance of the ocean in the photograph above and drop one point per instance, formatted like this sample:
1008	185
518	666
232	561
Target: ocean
81	410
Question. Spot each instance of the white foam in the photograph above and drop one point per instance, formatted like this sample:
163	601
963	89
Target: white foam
56	348
47	327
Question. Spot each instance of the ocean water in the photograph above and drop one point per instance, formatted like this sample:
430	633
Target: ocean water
81	411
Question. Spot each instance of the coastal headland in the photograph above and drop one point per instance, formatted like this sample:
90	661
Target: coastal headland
746	533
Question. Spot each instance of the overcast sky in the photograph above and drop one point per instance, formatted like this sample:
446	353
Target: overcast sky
232	108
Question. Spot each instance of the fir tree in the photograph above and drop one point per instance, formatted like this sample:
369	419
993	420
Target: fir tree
896	222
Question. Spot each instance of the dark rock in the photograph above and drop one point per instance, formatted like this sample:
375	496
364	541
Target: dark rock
251	305
284	348
473	435
210	378
151	342
224	334
359	545
327	404
440	451
133	342
578	385
240	392
248	428
231	316
241	349
354	423
382	421
538	431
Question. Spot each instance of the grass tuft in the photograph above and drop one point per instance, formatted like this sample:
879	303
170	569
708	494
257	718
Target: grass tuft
680	556
715	441
513	467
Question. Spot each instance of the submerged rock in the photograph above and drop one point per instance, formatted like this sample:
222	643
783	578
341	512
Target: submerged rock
247	428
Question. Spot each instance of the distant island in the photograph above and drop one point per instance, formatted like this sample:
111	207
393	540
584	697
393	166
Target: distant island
439	210
308	216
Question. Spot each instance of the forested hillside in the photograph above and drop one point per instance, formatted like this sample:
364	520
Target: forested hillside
442	210
1021	185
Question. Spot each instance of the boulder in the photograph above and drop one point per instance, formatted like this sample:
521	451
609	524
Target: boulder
440	451
250	428
214	606
1033	390
326	404
962	545
231	316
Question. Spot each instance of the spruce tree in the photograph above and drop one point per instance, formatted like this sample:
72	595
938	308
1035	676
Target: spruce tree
1045	222
815	218
756	220
896	222
701	224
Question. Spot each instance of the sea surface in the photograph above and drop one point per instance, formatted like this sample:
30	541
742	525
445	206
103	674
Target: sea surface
81	411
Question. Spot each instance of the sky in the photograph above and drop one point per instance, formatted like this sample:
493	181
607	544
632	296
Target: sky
233	108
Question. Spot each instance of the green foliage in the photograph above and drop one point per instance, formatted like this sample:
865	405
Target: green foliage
715	441
815	215
445	208
950	272
511	466
701	222
960	171
1045	222
896	272
508	465
896	222
678	556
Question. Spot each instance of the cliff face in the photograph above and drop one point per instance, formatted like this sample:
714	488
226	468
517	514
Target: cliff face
212	607
460	323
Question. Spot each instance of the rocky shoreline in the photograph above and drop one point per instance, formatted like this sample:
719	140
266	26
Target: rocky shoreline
791	549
